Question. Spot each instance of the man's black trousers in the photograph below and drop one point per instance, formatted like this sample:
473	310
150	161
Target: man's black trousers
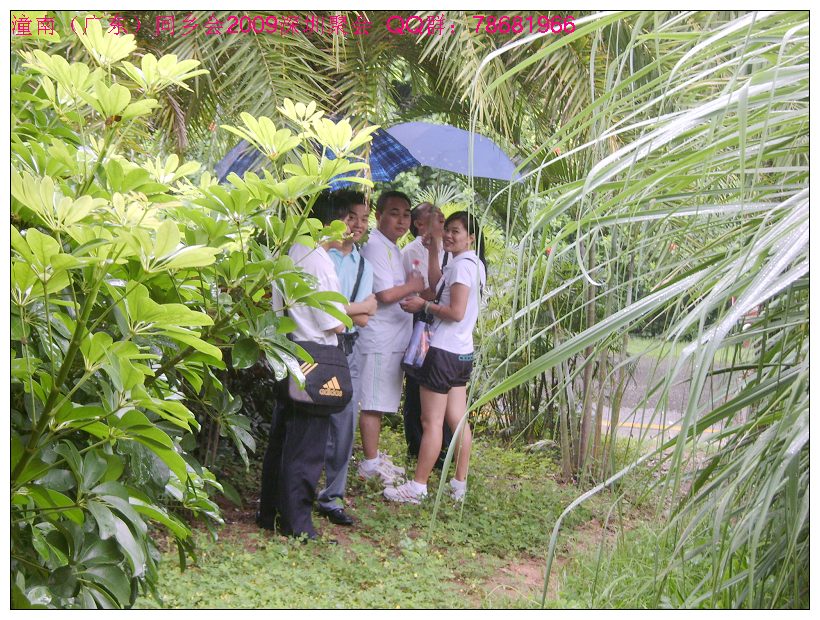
291	469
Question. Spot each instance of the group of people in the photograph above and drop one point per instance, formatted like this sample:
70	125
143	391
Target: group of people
439	275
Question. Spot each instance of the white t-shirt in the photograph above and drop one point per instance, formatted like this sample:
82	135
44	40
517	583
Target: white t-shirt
389	330
312	324
416	251
457	336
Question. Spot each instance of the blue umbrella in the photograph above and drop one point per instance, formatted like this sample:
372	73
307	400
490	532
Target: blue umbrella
408	145
387	159
403	147
448	148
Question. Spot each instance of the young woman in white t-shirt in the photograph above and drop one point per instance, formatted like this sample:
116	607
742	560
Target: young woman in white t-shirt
427	253
449	361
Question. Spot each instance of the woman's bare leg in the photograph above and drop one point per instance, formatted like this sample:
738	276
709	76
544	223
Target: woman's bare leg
455	410
433	407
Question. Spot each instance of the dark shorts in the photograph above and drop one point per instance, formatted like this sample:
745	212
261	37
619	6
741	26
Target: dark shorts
443	370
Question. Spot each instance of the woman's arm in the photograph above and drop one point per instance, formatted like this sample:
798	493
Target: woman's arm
433	241
433	266
459	294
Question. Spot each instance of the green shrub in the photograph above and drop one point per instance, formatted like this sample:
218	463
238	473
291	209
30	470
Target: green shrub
129	281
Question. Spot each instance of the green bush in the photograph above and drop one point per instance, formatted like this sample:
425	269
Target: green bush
129	281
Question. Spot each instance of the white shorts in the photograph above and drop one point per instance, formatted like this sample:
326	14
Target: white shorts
380	380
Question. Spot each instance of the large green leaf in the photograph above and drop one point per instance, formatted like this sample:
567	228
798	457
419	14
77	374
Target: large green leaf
53	503
160	515
135	426
110	585
104	518
46	200
131	546
245	353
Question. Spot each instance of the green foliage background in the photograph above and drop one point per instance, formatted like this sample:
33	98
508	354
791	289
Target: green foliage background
666	192
128	283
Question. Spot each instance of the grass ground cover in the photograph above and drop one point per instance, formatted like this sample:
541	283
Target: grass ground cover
488	553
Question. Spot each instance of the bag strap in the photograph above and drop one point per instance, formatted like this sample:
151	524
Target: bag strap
358	279
480	285
440	291
349	330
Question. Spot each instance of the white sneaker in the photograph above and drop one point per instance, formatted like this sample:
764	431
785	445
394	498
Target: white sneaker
457	493
387	462
406	493
366	472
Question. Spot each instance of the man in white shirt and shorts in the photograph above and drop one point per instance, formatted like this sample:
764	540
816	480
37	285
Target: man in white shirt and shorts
382	343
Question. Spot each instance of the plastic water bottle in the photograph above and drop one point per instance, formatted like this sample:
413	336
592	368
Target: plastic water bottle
415	269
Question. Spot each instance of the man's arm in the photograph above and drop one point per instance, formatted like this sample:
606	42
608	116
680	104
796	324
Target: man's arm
383	276
361	311
366	307
414	284
433	266
360	320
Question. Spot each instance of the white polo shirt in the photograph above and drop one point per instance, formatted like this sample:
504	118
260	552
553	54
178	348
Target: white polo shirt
415	250
389	330
312	324
457	336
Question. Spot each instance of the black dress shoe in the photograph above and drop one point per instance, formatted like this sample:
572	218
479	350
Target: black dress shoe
337	516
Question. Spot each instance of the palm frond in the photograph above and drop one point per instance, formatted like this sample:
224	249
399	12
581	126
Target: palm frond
693	167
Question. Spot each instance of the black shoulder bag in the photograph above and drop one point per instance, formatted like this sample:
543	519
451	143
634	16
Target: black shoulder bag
328	387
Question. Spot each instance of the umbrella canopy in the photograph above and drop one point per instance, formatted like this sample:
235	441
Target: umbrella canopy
240	159
401	148
388	157
448	148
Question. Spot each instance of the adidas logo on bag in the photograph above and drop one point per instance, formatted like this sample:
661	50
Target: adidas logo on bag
307	368
331	388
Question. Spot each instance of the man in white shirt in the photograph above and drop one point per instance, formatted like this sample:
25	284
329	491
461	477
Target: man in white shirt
424	219
382	343
312	324
296	446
